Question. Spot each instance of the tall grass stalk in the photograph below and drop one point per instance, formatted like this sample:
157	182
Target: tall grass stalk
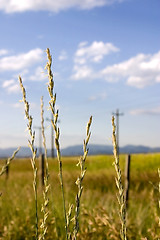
56	129
79	180
159	193
44	208
69	215
33	150
118	179
4	168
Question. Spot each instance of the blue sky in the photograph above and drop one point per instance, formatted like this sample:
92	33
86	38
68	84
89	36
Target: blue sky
106	55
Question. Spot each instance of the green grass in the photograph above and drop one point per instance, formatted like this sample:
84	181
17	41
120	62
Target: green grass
99	216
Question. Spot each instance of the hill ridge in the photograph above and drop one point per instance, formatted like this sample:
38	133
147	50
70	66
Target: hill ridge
94	149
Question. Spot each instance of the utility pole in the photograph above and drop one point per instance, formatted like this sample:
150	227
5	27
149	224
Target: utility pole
40	139
52	136
117	114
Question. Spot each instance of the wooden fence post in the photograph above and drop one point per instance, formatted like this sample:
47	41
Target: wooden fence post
127	178
42	169
7	171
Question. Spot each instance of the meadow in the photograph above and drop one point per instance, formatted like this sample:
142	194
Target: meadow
99	216
58	209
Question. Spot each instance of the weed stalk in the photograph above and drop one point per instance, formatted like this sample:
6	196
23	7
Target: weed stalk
33	150
4	168
56	130
44	208
159	193
118	179
79	180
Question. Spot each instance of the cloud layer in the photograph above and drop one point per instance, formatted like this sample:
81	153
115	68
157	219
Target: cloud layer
21	61
102	96
11	6
153	111
93	53
11	86
88	54
21	64
63	56
39	75
3	52
139	71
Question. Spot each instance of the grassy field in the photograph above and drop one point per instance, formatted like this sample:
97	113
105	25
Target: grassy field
99	209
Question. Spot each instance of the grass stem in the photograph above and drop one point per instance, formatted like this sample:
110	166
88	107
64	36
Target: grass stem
4	168
118	179
79	180
33	150
56	130
45	203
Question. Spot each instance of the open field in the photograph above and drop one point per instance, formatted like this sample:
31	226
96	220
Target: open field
99	210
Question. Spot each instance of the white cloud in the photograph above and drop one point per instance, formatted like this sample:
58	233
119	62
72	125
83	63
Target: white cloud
139	82
63	56
87	55
17	105
21	61
139	71
3	52
8	83
11	6
153	111
82	72
11	86
39	75
102	96
93	53
158	79
82	44
23	73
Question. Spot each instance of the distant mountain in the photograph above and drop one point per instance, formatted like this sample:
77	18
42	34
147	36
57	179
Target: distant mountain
77	150
138	149
7	152
93	150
